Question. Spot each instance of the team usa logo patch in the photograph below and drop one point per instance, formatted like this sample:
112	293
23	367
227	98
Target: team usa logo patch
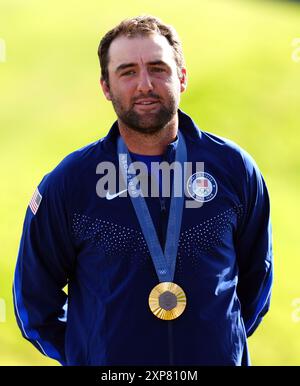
35	201
202	187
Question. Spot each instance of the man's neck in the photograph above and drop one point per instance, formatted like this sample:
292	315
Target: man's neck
149	144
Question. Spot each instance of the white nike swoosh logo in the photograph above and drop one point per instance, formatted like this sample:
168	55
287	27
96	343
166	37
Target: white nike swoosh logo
112	196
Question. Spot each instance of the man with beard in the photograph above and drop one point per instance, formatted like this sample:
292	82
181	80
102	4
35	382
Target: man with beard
178	279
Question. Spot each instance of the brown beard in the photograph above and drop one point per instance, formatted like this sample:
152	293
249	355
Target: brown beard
148	123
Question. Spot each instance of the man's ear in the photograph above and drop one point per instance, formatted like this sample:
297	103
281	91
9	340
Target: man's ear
183	79
105	89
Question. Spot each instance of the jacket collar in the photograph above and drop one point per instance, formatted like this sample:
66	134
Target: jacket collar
186	125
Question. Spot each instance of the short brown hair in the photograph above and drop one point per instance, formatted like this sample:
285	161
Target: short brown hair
140	25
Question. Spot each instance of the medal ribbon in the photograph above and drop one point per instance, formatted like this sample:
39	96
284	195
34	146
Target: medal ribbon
164	262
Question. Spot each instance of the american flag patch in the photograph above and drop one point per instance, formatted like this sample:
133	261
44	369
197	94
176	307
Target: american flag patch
35	201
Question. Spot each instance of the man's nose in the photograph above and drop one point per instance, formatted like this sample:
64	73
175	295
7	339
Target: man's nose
144	83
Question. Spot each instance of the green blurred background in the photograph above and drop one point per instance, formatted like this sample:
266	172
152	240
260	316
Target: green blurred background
244	84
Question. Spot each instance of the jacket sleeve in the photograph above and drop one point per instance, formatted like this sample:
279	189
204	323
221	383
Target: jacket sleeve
254	248
43	267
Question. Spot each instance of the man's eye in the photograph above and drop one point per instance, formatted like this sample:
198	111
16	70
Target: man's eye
131	72
158	69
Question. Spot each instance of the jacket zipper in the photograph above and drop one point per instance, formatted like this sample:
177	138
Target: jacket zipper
163	211
170	337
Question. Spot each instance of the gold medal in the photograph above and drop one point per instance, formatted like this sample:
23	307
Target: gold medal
167	300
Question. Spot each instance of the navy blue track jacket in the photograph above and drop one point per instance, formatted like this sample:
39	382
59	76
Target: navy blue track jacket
72	236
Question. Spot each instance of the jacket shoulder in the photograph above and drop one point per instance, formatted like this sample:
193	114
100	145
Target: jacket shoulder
229	151
69	170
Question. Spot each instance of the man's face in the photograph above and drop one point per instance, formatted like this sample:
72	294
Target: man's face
144	85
